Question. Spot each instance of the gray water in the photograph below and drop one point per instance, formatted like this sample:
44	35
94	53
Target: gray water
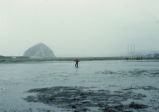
17	78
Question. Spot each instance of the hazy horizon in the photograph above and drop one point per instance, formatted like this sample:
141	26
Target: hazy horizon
79	27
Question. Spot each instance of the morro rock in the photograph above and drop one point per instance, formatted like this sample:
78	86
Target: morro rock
39	50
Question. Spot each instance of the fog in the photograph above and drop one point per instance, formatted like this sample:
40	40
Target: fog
79	27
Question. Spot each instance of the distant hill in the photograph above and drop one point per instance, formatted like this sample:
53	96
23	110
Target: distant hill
156	54
5	57
1	56
39	50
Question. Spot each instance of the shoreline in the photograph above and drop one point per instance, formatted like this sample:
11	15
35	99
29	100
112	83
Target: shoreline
36	59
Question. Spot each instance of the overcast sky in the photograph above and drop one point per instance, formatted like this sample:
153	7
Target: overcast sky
79	27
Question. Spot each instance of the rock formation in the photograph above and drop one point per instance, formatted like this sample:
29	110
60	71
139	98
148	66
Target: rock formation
39	50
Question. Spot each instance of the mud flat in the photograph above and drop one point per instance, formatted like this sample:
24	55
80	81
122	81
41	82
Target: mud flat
81	99
96	86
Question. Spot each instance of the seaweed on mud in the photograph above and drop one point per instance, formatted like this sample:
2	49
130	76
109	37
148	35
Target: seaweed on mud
143	88
28	110
137	106
83	99
135	72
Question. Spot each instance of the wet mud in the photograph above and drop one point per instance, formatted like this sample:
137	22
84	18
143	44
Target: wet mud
132	73
81	99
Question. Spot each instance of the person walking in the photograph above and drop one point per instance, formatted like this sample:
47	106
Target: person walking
76	63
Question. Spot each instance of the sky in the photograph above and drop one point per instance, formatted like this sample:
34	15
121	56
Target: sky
79	27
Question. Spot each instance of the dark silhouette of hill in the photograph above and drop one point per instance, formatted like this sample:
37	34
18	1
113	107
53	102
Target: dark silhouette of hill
39	50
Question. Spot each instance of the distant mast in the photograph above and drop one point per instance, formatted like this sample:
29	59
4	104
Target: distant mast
131	51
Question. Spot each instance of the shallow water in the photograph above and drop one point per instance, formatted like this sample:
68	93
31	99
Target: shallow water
17	78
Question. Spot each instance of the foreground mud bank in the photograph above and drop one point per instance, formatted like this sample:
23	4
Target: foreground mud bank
80	99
